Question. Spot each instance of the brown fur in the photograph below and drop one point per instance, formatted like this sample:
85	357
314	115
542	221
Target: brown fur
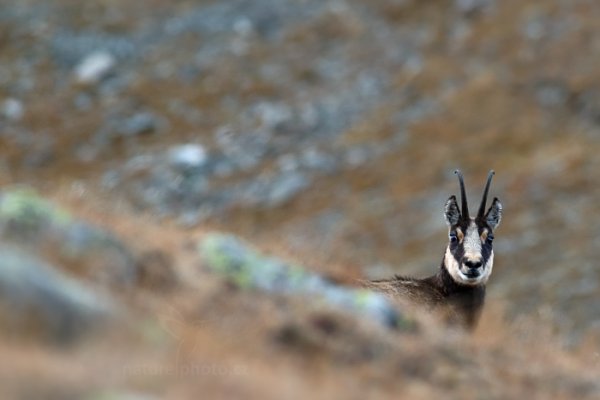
457	304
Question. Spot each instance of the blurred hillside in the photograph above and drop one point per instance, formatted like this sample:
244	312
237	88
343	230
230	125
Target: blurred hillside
325	132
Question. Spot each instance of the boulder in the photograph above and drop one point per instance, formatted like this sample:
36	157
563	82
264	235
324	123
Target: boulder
229	256
31	222
38	300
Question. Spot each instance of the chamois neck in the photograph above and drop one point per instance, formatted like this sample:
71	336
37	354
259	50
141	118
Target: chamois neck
465	301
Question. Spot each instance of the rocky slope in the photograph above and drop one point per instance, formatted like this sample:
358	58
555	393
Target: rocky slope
324	134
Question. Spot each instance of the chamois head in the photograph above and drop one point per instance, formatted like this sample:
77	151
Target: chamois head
469	256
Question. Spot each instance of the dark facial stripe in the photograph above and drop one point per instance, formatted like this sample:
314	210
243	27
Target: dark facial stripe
471	246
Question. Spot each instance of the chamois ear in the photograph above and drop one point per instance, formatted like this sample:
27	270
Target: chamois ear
494	214
451	211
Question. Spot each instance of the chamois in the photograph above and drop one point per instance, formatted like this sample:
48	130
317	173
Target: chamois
458	288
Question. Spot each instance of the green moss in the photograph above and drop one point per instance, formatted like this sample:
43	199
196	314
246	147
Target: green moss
24	208
223	255
363	296
29	220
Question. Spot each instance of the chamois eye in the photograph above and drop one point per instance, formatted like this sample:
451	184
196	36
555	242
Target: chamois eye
453	238
489	238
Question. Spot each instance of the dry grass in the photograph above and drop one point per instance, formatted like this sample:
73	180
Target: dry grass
212	338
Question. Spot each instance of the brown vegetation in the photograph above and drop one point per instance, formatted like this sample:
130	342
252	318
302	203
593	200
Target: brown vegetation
509	85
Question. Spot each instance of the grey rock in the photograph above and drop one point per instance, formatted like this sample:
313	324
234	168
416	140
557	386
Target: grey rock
140	163
245	150
266	18
285	187
270	190
314	159
535	27
288	163
37	299
309	116
69	48
13	109
273	115
83	102
105	258
94	67
188	156
551	94
472	6
587	105
243	26
32	222
139	123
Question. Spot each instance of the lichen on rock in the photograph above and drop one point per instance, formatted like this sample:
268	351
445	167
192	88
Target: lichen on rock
30	221
245	266
23	211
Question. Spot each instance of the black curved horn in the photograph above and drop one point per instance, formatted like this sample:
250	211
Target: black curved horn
481	212
463	195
